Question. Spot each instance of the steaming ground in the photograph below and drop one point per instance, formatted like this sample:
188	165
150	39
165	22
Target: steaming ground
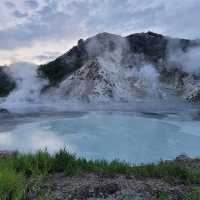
112	73
27	97
141	130
29	85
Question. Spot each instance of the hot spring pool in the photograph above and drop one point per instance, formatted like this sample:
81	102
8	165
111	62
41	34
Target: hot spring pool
133	137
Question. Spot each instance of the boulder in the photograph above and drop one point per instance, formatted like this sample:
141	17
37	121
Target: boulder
182	158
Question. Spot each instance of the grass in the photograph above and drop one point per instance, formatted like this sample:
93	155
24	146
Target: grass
12	184
17	170
194	195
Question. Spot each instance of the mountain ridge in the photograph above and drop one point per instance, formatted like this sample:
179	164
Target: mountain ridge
137	45
109	67
132	52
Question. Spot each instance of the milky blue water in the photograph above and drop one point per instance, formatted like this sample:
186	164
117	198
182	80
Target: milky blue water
133	137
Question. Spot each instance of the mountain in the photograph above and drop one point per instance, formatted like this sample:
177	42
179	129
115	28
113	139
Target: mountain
110	67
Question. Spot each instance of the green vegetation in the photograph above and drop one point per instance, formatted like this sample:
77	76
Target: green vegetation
18	172
194	195
57	70
12	184
163	196
7	84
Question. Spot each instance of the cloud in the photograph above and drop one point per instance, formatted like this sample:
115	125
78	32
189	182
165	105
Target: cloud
47	56
28	22
47	23
31	4
9	4
19	14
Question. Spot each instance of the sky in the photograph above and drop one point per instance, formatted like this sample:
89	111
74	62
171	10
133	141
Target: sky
38	31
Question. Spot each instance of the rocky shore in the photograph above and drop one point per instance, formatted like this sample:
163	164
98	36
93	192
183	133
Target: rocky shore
94	186
99	186
65	177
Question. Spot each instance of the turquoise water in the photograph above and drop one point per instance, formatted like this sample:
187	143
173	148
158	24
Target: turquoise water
133	137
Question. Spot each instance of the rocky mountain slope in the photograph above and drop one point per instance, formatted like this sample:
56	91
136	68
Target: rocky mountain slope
109	67
142	65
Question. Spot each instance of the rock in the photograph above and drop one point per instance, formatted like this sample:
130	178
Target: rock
90	187
186	161
88	83
4	153
194	96
152	45
106	189
7	84
102	190
182	158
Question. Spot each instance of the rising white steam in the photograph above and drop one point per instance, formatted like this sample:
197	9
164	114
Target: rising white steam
28	84
188	61
112	73
148	79
104	43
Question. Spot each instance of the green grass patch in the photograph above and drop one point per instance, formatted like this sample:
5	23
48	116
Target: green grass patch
194	195
12	184
17	170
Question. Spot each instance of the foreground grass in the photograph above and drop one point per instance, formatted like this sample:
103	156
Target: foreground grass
18	171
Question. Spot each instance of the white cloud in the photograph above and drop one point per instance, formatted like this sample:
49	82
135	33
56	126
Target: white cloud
23	23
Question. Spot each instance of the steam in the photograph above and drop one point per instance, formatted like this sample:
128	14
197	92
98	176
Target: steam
188	61
148	79
109	50
28	84
104	43
112	73
116	76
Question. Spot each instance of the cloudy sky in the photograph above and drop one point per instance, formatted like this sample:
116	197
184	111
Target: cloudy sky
40	30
